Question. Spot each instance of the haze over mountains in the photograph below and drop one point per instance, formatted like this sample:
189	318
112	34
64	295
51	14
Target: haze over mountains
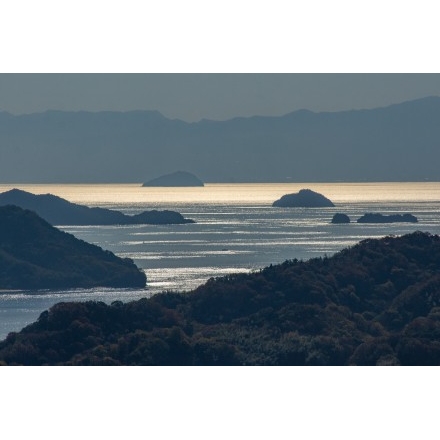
396	143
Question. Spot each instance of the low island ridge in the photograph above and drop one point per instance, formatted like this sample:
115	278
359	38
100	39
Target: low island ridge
179	178
392	218
58	211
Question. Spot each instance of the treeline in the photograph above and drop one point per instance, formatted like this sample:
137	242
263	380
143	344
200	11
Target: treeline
376	303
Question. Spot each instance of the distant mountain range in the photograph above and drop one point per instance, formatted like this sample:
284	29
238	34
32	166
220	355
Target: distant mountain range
396	143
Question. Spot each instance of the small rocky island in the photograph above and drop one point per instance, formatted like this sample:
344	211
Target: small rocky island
305	198
58	211
36	255
393	218
179	178
340	218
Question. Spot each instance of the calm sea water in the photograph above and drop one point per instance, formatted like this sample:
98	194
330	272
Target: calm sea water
237	230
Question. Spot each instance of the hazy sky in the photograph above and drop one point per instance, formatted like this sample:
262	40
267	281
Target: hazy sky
191	97
227	36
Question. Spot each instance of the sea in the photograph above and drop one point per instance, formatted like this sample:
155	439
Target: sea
236	231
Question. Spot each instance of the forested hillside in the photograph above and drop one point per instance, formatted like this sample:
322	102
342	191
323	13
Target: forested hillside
377	303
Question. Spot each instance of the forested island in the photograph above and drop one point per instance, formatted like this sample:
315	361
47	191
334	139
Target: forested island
376	303
36	255
58	211
305	198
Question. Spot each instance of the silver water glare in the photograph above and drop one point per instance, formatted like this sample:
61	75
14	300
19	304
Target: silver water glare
236	230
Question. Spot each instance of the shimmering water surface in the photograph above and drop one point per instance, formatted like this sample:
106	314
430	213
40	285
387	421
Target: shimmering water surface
236	230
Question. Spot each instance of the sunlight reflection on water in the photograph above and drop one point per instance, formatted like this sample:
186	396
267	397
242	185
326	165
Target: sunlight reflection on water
236	230
233	194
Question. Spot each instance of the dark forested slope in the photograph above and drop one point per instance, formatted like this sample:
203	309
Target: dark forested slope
35	255
377	303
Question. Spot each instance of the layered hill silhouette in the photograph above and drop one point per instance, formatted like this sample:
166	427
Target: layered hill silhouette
395	143
58	211
376	303
35	255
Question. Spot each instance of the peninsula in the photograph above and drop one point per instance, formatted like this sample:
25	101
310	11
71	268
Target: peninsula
36	255
58	211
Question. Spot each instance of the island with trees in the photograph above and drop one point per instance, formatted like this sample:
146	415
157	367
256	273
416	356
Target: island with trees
58	211
305	198
375	303
36	255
